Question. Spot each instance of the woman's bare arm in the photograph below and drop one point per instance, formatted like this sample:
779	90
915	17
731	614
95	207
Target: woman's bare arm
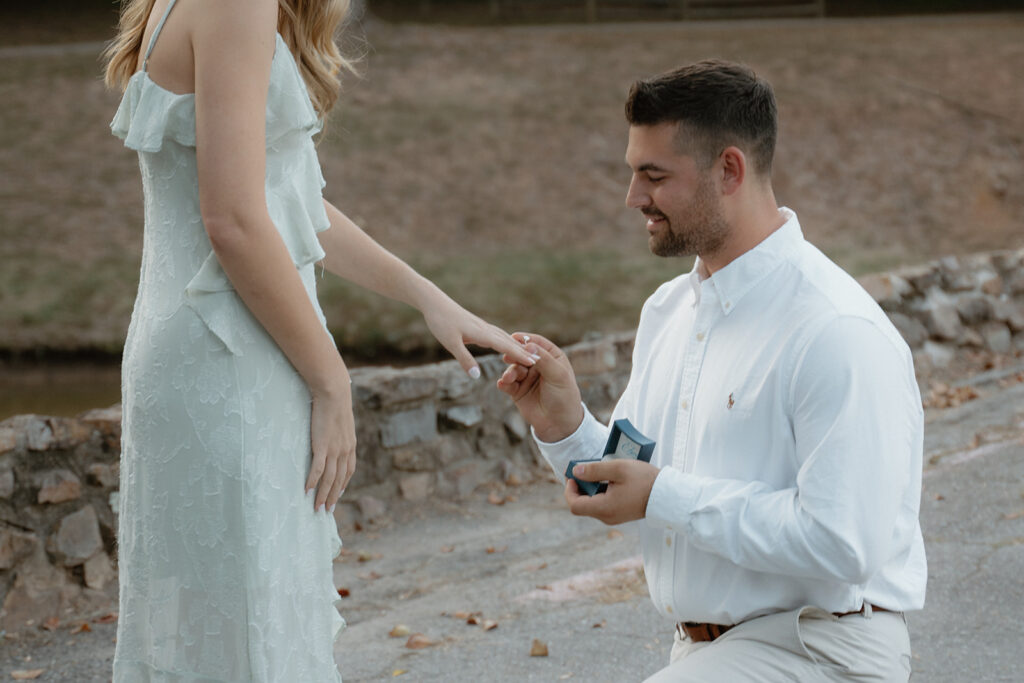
233	44
355	256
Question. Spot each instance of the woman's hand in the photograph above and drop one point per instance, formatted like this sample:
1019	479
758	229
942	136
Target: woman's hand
333	439
454	327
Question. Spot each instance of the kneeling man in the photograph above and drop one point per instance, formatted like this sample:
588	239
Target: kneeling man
780	511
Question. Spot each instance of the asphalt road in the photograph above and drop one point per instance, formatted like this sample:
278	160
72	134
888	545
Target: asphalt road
539	573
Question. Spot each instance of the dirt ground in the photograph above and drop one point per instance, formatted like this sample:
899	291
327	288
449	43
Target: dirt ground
491	158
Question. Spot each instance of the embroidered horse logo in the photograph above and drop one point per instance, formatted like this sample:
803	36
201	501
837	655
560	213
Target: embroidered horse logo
731	402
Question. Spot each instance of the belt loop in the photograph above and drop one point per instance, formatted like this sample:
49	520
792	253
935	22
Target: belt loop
867	610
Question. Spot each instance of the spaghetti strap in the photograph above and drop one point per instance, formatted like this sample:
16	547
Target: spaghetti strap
156	34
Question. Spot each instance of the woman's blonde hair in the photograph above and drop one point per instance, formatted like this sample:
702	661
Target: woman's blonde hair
307	26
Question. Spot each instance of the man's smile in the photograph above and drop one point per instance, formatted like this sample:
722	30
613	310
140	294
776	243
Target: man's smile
654	217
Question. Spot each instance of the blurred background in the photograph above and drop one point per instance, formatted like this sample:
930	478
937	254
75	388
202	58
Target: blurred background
484	144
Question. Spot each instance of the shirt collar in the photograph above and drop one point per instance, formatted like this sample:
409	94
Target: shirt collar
732	282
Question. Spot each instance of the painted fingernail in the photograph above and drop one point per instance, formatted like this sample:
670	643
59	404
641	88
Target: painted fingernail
333	505
321	508
342	493
474	372
526	338
579	470
534	356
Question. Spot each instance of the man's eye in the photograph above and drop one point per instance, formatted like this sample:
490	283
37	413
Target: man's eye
655	179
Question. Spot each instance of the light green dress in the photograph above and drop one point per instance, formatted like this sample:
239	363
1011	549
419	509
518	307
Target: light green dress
225	569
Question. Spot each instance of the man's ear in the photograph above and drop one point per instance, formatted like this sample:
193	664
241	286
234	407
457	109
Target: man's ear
733	164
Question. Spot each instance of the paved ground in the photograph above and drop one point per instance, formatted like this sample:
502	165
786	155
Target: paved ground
432	561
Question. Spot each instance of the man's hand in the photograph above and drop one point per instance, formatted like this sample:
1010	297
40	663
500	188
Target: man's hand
629	487
545	393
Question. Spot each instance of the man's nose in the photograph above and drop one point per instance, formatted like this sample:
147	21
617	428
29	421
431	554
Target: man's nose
636	197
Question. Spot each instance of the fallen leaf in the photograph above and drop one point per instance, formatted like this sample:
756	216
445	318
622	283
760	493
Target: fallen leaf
538	649
513	480
365	556
51	624
1014	515
472	620
372	576
447	548
939	496
399	631
399	672
494	498
613	534
418	641
511	499
106	618
489	624
344	592
491	549
601	624
534	568
565	676
83	627
463	615
26	674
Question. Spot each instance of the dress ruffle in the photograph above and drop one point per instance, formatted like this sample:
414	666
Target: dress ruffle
150	114
296	207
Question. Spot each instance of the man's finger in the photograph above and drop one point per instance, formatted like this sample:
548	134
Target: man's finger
583	505
602	470
539	340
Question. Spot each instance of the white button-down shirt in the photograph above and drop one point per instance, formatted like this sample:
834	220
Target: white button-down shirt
789	437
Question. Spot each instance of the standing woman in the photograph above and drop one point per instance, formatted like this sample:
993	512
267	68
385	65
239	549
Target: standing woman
238	434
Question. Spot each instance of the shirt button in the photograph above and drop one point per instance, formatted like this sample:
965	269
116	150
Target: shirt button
728	304
668	541
700	336
668	608
684	404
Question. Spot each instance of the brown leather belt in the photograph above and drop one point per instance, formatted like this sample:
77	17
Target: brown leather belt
702	632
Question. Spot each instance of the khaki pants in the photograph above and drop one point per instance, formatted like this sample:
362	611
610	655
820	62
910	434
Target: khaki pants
805	645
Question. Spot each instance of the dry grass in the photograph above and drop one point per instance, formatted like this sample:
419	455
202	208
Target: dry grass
491	158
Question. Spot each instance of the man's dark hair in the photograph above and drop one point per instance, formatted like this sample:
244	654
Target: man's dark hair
716	104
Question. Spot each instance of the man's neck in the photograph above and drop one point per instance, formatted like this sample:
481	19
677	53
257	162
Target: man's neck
751	225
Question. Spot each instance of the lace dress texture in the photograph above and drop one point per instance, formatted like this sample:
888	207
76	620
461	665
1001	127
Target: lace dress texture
225	568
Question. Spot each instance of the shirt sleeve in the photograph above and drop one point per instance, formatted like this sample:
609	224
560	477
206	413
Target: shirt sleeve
856	418
586	443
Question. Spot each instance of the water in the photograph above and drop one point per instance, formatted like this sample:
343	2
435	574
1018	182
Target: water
58	389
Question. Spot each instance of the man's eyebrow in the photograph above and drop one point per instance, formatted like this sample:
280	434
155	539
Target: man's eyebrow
646	168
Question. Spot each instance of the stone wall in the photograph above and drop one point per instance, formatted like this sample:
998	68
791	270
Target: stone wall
423	431
973	302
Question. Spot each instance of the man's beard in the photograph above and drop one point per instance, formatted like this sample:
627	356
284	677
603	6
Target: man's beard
700	230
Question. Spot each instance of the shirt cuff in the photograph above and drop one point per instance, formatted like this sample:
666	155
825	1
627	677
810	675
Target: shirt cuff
586	443
673	500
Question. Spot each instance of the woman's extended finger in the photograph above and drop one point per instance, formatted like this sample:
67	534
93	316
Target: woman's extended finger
509	346
464	358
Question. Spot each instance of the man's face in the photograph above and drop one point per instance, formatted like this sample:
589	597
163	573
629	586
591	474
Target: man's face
680	201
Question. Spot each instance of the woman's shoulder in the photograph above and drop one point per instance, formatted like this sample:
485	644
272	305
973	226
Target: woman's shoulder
232	21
